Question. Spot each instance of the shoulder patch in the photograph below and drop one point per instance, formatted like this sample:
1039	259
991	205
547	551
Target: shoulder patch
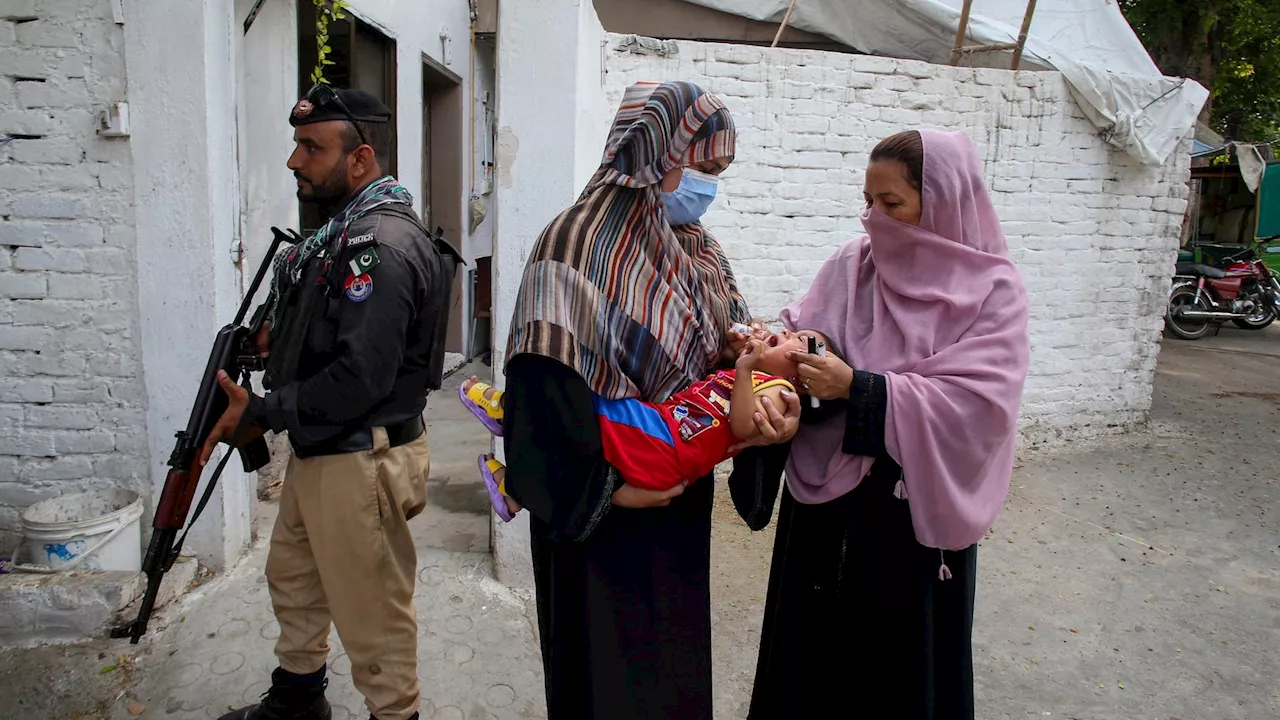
364	239
359	288
364	261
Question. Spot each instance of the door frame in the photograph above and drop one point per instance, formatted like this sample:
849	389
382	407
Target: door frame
444	176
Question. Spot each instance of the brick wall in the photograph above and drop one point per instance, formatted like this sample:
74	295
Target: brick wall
1093	231
71	399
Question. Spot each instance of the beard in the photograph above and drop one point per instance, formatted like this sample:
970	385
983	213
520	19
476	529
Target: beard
329	190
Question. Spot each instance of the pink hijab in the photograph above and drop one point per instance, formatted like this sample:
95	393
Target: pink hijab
940	311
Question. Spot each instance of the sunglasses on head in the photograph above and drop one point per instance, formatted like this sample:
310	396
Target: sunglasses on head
322	94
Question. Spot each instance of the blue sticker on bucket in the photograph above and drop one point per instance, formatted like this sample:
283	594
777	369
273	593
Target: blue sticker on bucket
63	551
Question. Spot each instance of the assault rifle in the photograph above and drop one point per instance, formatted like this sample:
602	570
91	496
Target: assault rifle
235	351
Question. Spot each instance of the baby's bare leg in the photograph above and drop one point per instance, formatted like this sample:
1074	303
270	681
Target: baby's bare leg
470	382
500	476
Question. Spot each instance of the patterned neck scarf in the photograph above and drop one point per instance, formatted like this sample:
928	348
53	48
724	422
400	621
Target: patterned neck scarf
638	308
332	236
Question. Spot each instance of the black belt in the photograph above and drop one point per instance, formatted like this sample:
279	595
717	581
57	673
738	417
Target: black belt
362	440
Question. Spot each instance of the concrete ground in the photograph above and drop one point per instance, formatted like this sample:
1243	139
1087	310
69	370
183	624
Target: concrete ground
1128	577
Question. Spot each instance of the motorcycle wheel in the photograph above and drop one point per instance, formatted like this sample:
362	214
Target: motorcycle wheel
1258	321
1186	329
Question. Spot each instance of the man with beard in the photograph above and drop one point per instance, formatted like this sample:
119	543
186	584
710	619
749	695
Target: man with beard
353	343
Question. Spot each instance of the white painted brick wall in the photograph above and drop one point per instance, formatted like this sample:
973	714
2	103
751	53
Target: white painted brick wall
71	404
1093	231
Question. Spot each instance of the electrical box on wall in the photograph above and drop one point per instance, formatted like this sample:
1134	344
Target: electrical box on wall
113	121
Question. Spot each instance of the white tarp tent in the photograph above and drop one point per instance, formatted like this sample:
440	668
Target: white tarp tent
1089	41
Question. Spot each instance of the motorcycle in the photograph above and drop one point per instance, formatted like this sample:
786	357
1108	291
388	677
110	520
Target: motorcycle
1245	291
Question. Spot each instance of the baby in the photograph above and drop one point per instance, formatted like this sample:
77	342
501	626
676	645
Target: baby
656	446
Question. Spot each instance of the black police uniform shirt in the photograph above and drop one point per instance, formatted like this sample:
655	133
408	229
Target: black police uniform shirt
371	351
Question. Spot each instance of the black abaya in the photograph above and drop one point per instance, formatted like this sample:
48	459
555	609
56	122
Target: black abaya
624	600
857	622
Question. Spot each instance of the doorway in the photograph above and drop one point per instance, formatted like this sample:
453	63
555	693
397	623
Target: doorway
443	160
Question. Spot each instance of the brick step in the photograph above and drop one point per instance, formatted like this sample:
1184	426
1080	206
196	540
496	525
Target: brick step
78	605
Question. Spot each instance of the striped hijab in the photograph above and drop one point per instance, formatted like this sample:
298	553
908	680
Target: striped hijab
639	309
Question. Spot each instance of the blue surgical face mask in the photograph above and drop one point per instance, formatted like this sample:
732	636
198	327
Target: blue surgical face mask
691	199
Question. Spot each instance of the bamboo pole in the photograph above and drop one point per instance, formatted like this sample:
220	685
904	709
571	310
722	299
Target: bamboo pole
1022	34
781	28
964	25
986	48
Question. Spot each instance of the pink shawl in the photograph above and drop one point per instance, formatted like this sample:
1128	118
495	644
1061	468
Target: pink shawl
941	311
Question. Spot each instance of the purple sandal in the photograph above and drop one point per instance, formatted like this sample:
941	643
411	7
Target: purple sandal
490	423
495	495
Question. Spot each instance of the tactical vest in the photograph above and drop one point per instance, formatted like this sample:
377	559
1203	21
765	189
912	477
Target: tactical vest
299	303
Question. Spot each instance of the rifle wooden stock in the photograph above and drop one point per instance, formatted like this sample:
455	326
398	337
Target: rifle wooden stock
175	500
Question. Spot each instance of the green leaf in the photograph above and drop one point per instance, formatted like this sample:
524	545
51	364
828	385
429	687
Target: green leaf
326	49
328	62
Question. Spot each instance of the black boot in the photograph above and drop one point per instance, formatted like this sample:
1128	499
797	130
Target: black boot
291	697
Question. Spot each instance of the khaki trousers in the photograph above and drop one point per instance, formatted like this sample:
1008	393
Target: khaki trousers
341	551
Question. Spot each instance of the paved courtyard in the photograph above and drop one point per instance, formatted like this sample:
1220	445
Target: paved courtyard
1128	577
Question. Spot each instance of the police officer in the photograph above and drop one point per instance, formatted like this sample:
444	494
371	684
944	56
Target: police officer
353	344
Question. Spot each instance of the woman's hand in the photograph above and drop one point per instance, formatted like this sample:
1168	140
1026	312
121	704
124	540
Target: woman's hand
774	426
825	377
630	496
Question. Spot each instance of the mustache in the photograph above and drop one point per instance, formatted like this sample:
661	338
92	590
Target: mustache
300	176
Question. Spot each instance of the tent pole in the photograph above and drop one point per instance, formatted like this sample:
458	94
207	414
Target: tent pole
964	25
1022	34
785	19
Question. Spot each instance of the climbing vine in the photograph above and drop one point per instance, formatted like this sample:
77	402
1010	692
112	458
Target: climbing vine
326	11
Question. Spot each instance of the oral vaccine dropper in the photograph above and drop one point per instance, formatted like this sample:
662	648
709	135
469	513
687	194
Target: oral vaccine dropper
819	349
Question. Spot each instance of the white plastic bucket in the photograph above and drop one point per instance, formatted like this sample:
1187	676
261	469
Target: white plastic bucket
95	530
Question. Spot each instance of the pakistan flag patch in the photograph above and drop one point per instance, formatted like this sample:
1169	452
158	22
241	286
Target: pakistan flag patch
364	262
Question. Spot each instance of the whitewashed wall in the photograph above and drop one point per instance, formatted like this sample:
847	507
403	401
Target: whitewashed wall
187	207
72	409
483	183
1094	232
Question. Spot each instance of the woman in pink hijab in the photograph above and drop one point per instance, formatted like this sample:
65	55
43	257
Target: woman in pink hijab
902	468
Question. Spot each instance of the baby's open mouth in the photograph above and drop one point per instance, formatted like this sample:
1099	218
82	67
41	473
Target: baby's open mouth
772	341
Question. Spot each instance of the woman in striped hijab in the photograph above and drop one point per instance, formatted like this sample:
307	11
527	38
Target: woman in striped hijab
625	295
